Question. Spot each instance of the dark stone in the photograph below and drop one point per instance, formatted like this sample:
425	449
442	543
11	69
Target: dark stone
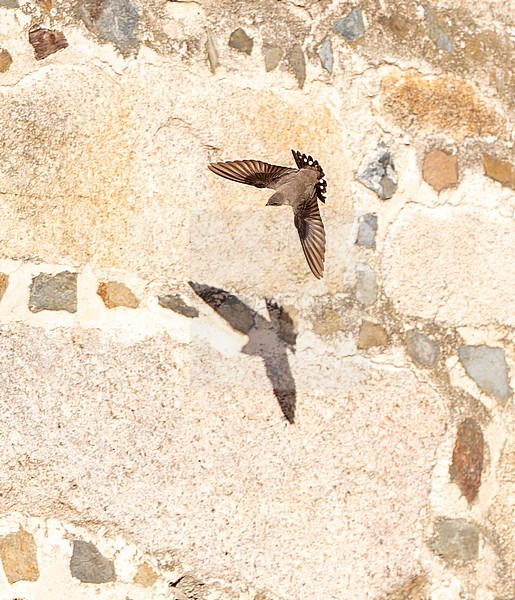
298	64
114	21
456	539
487	367
377	172
46	42
500	170
176	303
325	53
4	283
351	27
6	60
239	40
367	230
88	565
441	39
467	458
272	55
54	292
423	350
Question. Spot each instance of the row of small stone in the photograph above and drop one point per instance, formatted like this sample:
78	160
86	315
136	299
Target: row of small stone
59	292
439	169
18	553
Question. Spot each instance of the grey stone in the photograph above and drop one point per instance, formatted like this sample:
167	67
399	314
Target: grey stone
114	21
456	539
298	63
239	40
487	367
351	27
325	53
366	286
423	350
88	565
176	303
191	587
377	172
367	230
9	3
441	39
54	292
272	55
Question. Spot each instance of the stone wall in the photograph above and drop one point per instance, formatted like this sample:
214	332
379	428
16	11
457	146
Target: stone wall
186	412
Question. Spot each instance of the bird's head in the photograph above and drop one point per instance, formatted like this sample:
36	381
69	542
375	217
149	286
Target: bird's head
277	199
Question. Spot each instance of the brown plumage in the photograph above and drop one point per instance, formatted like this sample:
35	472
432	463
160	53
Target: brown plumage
300	188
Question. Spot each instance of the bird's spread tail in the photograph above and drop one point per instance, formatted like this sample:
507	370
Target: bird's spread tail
304	162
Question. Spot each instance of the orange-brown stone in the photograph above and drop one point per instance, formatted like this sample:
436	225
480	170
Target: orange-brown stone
370	335
440	170
500	170
115	294
19	557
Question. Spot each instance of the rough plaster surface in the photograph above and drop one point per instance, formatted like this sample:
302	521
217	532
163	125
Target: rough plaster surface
272	497
155	434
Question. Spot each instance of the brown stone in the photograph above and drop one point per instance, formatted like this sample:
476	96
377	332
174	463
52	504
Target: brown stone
443	103
440	170
500	170
467	458
19	557
46	42
239	40
4	282
413	588
116	294
272	55
370	335
298	64
5	61
145	576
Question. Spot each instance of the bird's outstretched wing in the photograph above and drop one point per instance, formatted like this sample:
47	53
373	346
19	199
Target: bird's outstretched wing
302	161
252	172
312	234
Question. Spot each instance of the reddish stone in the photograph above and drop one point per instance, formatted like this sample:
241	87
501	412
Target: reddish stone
440	170
467	458
46	42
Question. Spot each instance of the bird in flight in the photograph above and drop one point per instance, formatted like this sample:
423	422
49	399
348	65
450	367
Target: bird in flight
300	188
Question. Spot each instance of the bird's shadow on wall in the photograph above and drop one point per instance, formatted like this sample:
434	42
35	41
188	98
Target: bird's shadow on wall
268	339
